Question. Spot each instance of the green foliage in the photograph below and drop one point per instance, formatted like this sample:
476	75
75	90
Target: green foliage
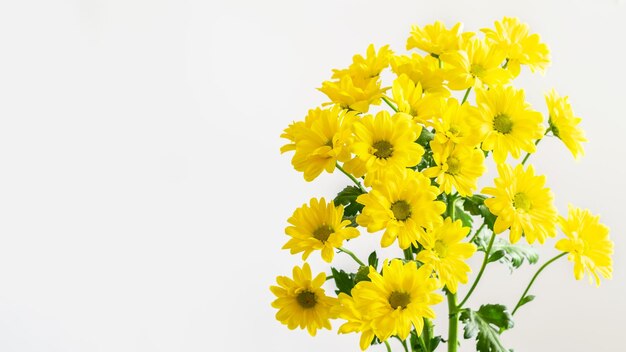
526	299
475	205
514	255
465	217
343	280
347	198
430	345
485	324
372	260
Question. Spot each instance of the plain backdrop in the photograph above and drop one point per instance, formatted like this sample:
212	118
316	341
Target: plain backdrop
143	198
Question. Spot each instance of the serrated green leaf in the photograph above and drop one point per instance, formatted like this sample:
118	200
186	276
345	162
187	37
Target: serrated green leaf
343	281
513	255
485	325
347	197
465	218
475	205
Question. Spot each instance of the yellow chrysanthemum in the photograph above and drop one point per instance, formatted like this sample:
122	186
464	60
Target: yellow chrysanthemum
564	124
446	254
320	141
422	70
386	144
475	64
358	86
402	204
457	166
435	38
357	321
458	124
318	226
522	203
512	37
301	301
508	124
398	299
587	243
410	99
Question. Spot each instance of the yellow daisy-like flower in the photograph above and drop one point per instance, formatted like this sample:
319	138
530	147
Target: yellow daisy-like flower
435	38
320	141
588	244
402	204
318	226
458	124
369	66
512	37
386	144
446	254
458	166
357	321
301	301
410	99
564	124
398	299
475	64
522	203
508	124
422	70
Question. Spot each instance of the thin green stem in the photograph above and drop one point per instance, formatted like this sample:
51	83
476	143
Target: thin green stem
387	345
356	259
466	95
451	202
356	182
519	303
427	333
478	231
536	143
390	104
453	322
403	342
480	273
408	253
329	277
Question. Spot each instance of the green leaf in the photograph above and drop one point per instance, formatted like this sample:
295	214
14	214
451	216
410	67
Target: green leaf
372	260
514	255
475	205
526	299
485	324
466	218
347	197
343	281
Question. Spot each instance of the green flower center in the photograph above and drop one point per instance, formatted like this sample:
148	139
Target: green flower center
399	300
454	165
383	148
502	123
306	299
323	232
401	210
521	201
329	143
453	130
441	249
477	70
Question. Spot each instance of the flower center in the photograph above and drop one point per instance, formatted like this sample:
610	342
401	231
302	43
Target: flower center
323	232
399	300
521	201
401	210
454	165
329	143
578	245
502	123
441	249
306	299
453	130
383	148
477	70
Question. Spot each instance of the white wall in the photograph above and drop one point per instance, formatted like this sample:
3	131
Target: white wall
143	197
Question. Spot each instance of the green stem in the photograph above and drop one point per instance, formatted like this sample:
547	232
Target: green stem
329	277
387	345
477	232
356	182
403	342
453	322
390	104
427	333
518	305
480	273
356	259
466	95
408	253
536	143
451	202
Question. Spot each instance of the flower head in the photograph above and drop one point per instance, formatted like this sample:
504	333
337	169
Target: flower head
458	166
457	123
564	124
301	301
356	320
588	244
410	99
422	70
435	38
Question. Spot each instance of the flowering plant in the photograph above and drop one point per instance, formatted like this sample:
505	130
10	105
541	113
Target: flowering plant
414	169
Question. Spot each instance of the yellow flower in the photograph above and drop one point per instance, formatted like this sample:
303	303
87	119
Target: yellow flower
320	141
564	124
356	321
587	243
422	70
386	144
475	64
458	124
410	100
398	299
508	123
446	254
371	65
318	226
520	47
522	203
402	204
301	302
457	165
435	38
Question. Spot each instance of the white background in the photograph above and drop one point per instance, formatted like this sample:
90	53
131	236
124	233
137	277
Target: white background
143	198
